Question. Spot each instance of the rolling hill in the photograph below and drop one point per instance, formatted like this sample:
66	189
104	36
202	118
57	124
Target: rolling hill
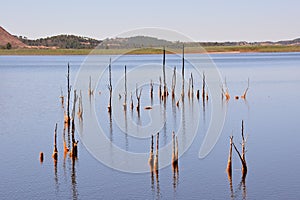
6	37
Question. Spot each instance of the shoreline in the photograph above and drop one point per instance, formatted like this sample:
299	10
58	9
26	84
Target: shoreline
145	51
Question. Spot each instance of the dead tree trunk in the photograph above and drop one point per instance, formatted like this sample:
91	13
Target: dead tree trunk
174	150
74	142
109	107
125	93
245	93
151	89
182	74
67	116
80	107
203	86
165	92
229	163
242	157
90	87
227	96
192	87
55	152
173	83
243	146
244	165
138	93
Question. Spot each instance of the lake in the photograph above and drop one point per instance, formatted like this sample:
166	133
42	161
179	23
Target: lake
30	106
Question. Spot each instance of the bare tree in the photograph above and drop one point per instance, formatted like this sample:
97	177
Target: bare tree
138	93
245	93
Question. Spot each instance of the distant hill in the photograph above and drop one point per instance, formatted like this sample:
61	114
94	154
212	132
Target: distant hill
6	37
134	42
62	41
79	42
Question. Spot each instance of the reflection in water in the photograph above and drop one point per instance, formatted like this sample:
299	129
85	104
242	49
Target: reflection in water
230	186
126	126
55	175
175	160
183	123
240	189
174	114
110	127
158	194
153	164
73	179
175	175
165	121
243	185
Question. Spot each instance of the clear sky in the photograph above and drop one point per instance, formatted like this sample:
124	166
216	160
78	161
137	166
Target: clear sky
202	20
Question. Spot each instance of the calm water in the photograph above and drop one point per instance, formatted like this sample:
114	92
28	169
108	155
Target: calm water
30	106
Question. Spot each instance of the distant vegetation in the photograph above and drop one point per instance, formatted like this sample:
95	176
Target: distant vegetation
62	42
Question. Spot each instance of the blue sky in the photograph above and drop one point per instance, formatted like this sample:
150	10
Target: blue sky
201	20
